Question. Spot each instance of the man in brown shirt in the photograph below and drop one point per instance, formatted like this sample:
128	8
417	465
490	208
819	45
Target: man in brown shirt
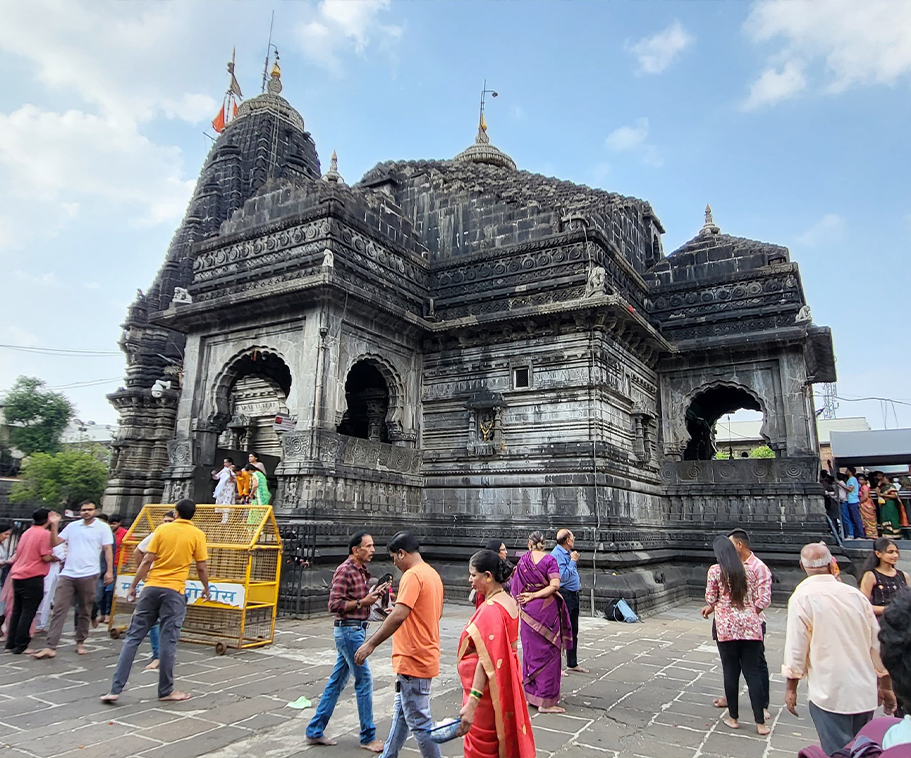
350	601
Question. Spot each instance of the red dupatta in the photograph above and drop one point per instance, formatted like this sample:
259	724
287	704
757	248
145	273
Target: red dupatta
502	727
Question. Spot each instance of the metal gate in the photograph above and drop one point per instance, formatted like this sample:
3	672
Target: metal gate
296	597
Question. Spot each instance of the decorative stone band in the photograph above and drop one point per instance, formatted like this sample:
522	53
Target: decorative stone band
744	471
333	449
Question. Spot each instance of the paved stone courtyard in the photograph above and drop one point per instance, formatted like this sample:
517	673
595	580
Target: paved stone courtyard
648	695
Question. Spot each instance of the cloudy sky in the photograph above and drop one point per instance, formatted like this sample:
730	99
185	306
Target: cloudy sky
791	118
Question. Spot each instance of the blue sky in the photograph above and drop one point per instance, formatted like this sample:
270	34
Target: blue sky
790	118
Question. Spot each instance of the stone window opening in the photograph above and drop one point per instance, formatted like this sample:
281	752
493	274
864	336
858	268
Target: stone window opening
521	378
367	398
704	413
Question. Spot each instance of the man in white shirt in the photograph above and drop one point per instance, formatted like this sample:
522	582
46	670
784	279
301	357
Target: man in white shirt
85	540
832	640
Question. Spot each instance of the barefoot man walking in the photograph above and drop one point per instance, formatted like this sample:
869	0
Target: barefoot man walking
167	562
85	541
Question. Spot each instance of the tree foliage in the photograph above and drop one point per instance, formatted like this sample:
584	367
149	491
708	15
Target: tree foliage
764	451
36	416
63	479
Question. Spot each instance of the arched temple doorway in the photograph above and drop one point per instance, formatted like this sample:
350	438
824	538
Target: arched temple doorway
257	389
367	399
703	414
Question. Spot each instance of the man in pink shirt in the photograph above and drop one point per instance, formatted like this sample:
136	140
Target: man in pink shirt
30	565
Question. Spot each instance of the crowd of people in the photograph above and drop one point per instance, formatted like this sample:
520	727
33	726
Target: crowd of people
834	636
864	506
536	600
245	485
852	645
53	570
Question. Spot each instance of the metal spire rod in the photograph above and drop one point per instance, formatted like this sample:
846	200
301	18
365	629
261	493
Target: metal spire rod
268	51
485	91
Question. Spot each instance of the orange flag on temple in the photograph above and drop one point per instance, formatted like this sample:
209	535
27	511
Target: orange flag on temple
218	123
234	114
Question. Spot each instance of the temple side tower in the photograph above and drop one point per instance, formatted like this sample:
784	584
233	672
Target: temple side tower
265	142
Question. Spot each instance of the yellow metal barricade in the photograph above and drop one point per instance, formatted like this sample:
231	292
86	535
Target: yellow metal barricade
244	566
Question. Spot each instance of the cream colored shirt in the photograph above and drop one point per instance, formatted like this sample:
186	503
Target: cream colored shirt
832	641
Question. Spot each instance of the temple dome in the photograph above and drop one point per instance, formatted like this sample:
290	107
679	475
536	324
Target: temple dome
483	152
274	104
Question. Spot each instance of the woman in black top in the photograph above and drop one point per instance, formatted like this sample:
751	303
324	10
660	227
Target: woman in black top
882	580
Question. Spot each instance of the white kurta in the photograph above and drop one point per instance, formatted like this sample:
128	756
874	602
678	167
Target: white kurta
225	490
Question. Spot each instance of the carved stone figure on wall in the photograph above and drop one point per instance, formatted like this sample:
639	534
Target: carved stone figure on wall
181	295
596	282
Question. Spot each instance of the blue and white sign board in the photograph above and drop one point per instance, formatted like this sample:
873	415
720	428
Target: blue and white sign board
224	593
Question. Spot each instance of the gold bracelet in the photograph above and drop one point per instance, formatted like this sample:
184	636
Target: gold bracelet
475	693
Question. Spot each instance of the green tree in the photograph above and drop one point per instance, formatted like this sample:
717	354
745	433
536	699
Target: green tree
36	416
763	451
63	479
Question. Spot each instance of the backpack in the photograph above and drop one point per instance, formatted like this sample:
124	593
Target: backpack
617	609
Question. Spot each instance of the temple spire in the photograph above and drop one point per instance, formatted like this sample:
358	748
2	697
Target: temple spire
274	87
709	227
332	175
482	151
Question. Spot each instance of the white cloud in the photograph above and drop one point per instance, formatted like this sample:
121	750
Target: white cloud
829	229
339	26
657	52
632	139
74	155
110	55
774	86
13	335
628	137
851	43
9	234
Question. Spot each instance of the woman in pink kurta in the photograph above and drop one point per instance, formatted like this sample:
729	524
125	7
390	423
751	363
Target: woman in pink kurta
729	593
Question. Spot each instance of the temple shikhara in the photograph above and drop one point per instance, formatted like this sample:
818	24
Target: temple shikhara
468	350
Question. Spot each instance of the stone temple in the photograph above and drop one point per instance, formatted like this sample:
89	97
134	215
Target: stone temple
469	350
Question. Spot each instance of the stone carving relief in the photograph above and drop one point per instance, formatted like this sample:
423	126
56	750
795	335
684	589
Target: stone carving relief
595	284
180	453
283	243
804	316
485	423
296	446
181	295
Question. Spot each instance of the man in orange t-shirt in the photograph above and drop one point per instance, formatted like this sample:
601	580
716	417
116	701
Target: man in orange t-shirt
414	625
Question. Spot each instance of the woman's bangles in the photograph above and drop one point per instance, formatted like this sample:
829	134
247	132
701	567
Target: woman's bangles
476	693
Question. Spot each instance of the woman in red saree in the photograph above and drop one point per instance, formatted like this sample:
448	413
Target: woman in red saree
495	722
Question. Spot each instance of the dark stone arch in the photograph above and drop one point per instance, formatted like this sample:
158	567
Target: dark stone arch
706	406
367	399
256	360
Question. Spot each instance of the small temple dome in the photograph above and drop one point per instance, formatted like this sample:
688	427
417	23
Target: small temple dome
483	152
272	102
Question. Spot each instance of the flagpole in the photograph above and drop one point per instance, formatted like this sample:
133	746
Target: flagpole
268	52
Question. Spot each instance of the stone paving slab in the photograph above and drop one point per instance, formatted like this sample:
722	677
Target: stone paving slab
648	695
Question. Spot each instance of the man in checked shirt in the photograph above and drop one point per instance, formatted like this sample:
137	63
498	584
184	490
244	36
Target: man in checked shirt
763	576
350	601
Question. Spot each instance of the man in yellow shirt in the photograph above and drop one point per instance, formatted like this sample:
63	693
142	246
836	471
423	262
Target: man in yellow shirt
165	568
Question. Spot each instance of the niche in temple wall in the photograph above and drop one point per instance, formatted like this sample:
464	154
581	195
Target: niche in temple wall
254	402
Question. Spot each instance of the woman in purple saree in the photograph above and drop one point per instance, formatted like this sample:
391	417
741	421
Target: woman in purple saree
544	627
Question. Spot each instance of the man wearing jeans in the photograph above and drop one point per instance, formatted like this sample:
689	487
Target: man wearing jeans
350	601
167	562
568	561
85	541
414	625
